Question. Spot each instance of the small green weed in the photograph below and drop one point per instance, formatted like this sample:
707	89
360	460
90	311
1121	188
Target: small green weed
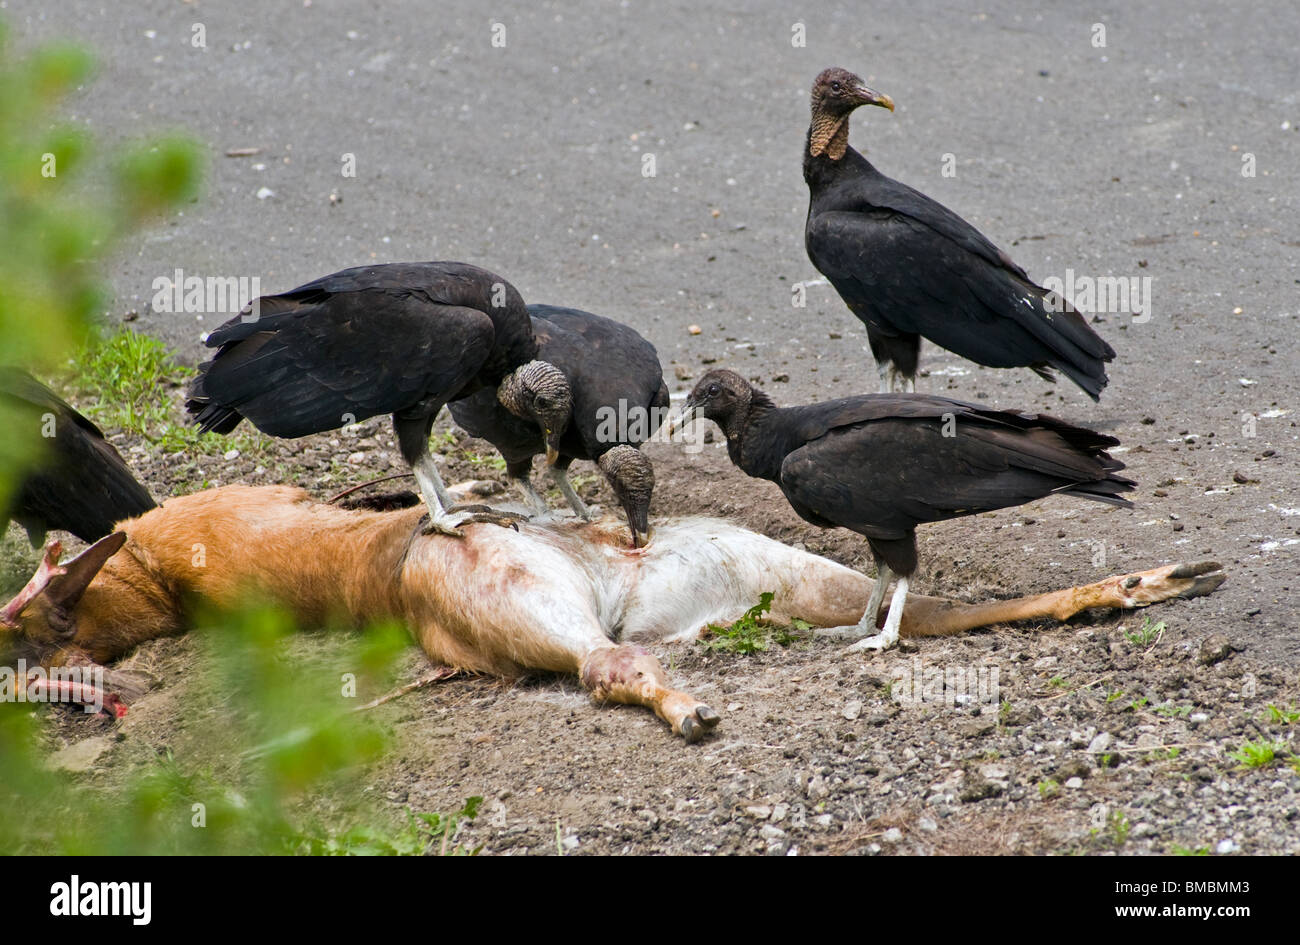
749	634
1148	633
1283	717
1259	753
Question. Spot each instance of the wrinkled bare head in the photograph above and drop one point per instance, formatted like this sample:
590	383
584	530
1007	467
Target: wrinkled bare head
540	392
725	398
835	95
632	477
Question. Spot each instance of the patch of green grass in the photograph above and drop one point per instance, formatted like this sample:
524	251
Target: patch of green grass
1057	682
1139	703
1278	716
1148	633
1259	753
1172	711
423	834
1048	788
1114	696
126	382
1188	851
750	634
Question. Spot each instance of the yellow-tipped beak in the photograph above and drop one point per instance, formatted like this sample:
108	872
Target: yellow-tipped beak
872	97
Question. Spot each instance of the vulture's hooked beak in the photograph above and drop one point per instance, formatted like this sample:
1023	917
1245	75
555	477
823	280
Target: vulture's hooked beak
872	97
690	410
552	447
638	520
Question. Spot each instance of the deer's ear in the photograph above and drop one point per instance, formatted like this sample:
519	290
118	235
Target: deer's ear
65	591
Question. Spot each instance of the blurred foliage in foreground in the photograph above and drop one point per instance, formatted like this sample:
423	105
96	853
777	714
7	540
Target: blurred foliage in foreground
62	212
265	756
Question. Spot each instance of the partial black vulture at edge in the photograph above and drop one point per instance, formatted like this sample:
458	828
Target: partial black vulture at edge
78	482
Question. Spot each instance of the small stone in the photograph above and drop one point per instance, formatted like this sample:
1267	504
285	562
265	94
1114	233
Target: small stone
694	329
926	824
1101	742
852	709
230	454
1143	829
357	458
893	835
980	789
80	756
779	811
1226	845
264	192
683	373
571	842
760	811
976	727
1214	649
1074	783
1077	768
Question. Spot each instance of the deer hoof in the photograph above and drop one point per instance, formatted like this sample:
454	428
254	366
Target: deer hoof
698	724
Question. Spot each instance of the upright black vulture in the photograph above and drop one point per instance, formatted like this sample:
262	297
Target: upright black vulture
619	399
909	267
79	482
881	464
401	338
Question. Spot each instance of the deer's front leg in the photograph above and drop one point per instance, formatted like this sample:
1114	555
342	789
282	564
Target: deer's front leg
630	674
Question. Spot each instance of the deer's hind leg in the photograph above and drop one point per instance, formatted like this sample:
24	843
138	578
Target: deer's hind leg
631	674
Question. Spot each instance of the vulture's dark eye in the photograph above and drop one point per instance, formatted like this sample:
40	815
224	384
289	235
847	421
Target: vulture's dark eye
714	390
835	87
544	402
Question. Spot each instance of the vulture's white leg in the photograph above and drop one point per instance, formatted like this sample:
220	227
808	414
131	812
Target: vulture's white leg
532	496
888	636
570	494
867	625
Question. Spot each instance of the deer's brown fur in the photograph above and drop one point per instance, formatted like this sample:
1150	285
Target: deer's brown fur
556	596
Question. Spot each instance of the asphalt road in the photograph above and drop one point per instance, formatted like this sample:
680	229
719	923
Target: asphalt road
529	158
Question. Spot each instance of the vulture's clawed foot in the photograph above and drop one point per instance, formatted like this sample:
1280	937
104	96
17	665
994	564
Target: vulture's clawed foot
485	513
878	641
457	517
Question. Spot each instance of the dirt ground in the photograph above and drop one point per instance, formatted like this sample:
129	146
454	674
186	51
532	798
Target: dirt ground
1093	743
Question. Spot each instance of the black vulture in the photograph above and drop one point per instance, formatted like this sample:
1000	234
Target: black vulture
909	267
78	482
400	339
619	399
882	464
